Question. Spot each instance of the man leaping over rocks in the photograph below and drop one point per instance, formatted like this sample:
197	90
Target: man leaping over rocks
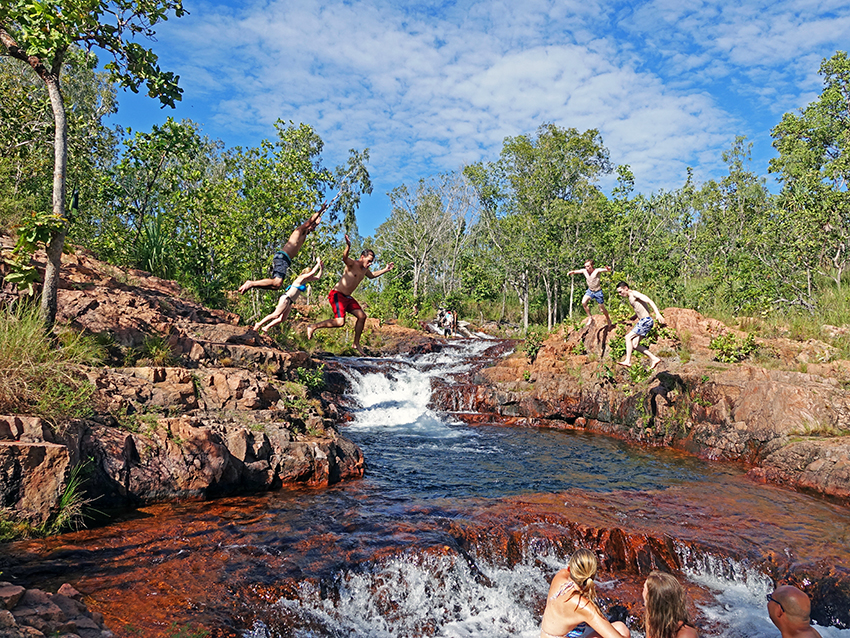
641	304
340	295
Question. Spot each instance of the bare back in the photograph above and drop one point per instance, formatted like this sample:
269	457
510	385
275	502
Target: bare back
566	609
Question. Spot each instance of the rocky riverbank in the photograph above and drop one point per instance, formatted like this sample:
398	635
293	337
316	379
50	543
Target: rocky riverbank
788	425
30	613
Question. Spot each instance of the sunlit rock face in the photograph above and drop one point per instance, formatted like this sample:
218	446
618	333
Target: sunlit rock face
782	421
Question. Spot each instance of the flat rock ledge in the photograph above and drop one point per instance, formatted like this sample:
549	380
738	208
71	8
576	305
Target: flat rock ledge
30	613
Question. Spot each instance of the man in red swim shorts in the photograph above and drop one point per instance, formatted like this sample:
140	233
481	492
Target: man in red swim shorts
340	296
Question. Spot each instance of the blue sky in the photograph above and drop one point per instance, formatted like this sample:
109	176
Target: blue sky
430	86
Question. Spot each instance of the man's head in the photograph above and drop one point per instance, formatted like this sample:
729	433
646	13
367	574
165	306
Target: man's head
367	257
789	609
623	289
589	264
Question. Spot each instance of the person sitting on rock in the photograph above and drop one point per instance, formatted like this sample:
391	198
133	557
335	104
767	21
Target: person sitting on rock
571	610
340	295
284	306
790	610
282	259
666	607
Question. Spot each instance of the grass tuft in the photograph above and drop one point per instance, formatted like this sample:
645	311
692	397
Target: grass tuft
42	374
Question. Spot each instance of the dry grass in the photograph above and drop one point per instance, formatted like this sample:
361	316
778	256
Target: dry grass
41	374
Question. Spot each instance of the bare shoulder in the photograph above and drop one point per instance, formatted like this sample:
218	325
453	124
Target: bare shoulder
686	631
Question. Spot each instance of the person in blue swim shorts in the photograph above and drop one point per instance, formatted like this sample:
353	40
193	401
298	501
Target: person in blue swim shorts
594	288
284	306
641	305
282	259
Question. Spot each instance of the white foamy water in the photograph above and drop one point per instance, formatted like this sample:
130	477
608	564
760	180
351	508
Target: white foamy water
446	596
397	397
423	593
740	599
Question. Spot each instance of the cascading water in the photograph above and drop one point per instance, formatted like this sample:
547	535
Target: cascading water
455	530
415	453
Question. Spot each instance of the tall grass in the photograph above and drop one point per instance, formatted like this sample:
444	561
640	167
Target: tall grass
41	374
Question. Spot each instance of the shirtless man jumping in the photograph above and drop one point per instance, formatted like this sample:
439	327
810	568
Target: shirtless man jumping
283	258
594	288
340	295
641	304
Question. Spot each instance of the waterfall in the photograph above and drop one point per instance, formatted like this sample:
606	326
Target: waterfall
437	588
446	596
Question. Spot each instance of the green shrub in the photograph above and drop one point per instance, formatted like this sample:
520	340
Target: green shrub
730	349
313	380
534	341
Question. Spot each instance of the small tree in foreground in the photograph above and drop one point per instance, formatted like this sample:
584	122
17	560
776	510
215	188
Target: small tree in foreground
41	33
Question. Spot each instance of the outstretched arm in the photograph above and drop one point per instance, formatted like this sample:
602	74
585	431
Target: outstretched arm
378	273
316	273
346	260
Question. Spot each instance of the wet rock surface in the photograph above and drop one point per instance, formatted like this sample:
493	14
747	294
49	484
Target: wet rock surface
33	613
221	415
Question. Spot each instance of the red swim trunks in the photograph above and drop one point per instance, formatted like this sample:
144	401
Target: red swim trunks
342	303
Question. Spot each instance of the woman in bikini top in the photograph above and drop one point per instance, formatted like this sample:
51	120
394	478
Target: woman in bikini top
571	610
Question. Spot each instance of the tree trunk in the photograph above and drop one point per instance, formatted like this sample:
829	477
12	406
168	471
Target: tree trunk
49	293
524	288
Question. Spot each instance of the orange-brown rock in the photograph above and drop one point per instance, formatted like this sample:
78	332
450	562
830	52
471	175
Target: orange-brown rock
792	426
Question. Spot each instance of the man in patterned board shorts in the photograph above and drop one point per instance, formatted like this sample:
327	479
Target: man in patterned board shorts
594	288
283	258
641	304
340	295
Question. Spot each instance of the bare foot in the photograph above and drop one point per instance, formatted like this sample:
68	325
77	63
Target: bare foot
255	327
655	363
246	287
588	321
310	331
359	349
624	364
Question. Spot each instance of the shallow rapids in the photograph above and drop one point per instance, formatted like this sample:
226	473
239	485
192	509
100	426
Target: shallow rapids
454	531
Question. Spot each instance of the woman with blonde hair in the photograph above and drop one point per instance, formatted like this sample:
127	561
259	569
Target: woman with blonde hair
666	608
571	610
284	306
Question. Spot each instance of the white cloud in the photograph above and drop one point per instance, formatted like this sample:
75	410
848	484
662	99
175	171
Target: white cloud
429	87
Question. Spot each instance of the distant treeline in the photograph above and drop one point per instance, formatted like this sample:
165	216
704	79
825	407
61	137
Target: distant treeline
494	240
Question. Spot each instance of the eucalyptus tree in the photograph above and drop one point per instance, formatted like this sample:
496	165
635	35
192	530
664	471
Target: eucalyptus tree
26	127
417	226
542	206
731	214
814	168
41	33
148	211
